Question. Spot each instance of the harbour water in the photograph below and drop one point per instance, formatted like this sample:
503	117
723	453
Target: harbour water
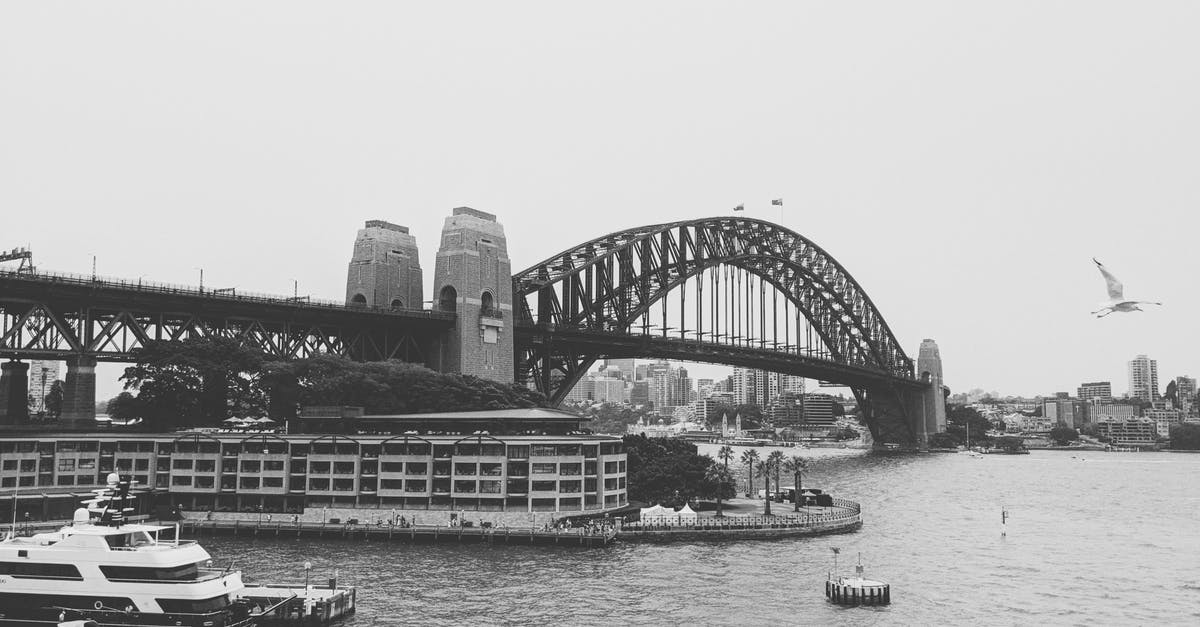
1092	538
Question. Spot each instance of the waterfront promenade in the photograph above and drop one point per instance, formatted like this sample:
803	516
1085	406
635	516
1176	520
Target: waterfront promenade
742	522
395	533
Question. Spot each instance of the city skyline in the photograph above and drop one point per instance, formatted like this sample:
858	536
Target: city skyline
967	205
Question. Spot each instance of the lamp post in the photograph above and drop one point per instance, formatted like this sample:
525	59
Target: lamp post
307	567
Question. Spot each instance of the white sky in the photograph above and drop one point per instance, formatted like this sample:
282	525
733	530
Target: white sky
964	161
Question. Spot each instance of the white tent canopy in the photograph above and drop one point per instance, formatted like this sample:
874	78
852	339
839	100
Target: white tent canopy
659	515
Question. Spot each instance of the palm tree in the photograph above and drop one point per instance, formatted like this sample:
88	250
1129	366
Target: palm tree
796	465
763	469
776	461
749	457
725	454
721	477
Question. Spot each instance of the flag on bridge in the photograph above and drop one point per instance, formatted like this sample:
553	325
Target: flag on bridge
835	550
778	202
740	208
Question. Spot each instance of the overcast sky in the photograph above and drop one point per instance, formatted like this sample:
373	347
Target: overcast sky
964	161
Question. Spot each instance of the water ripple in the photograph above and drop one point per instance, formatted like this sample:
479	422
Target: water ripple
1109	541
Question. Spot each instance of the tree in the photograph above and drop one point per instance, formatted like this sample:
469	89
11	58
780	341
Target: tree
396	387
666	470
197	381
54	399
749	458
1172	393
796	465
725	454
776	461
763	469
123	406
1185	436
1062	434
958	417
722	482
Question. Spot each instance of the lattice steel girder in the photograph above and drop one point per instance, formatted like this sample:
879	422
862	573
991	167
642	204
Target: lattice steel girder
49	319
578	293
833	302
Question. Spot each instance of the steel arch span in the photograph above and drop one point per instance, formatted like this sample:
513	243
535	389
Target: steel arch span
726	290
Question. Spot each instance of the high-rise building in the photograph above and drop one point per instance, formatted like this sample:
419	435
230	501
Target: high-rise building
818	410
1143	378
639	393
42	375
608	390
1098	390
1185	391
623	368
582	391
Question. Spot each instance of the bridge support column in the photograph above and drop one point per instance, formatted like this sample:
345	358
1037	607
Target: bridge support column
14	393
473	278
79	393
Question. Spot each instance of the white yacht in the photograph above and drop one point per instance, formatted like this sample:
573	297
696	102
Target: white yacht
103	569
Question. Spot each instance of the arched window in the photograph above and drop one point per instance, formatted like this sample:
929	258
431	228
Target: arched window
448	299
397	303
487	304
358	300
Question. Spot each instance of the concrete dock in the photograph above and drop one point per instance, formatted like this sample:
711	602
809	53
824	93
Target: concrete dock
395	533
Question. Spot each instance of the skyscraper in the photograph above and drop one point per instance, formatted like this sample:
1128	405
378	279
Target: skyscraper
1143	378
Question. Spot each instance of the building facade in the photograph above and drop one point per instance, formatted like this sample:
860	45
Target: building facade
426	470
1098	390
1143	379
1185	393
1133	431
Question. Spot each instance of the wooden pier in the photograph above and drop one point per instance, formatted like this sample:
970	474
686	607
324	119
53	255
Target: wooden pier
276	605
394	533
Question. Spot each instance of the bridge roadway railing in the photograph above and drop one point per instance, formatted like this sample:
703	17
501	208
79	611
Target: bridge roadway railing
232	295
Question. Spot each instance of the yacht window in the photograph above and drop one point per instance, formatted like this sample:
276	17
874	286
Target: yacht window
186	572
35	570
188	606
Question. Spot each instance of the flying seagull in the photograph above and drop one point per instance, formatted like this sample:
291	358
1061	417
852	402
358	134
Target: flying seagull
1116	296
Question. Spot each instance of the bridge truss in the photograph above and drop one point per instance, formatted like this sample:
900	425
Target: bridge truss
721	290
57	316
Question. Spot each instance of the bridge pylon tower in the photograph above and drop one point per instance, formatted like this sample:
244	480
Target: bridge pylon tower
473	278
385	270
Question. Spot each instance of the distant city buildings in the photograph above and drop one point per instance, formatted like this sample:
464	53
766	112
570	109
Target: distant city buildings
1143	378
1164	419
1185	392
1099	390
1132	431
42	375
1062	409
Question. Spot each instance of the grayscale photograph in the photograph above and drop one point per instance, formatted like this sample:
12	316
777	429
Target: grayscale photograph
657	313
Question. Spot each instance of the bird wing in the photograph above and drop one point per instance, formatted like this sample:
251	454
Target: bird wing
1116	291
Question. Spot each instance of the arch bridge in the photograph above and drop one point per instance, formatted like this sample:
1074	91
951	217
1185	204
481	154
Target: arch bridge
734	291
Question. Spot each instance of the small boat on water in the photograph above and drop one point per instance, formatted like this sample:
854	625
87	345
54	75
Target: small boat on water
115	573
